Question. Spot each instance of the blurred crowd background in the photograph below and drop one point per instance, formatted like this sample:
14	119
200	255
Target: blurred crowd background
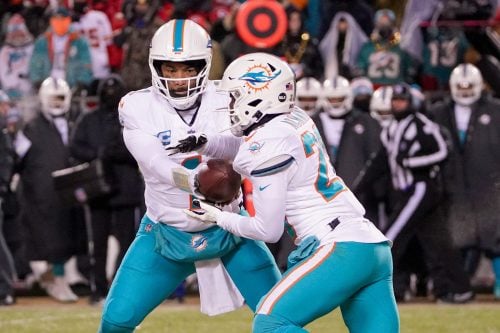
347	56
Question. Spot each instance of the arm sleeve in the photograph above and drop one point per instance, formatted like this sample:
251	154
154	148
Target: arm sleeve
269	197
222	146
433	138
150	155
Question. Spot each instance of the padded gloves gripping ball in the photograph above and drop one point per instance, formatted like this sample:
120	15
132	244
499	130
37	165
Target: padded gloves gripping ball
218	182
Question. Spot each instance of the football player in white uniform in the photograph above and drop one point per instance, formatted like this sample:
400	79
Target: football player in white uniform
309	95
342	259
169	244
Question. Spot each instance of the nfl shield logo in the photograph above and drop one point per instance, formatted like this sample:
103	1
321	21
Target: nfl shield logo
165	137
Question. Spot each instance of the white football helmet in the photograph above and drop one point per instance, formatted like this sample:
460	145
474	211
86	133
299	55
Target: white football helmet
381	105
308	94
181	41
55	96
259	84
466	84
337	96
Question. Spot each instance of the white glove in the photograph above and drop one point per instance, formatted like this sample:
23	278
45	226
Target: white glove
206	214
187	180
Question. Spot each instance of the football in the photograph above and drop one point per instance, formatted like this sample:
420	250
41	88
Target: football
218	182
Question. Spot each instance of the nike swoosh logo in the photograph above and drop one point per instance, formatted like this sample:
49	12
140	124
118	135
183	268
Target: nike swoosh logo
262	188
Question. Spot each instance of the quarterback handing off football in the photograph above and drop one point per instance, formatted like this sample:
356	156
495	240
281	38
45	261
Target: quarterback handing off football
218	182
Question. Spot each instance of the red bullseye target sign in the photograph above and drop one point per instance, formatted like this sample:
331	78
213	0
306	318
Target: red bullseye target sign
261	23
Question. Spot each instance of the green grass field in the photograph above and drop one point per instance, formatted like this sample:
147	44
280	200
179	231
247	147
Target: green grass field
47	316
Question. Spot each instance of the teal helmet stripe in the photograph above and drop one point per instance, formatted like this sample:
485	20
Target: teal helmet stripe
178	35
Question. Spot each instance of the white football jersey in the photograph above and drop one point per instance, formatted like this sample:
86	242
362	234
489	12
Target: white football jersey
96	29
150	125
15	68
317	202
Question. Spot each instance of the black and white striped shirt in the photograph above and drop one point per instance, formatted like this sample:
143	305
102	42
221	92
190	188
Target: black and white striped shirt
414	146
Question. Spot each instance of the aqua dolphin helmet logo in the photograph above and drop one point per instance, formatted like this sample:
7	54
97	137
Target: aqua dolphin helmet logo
259	76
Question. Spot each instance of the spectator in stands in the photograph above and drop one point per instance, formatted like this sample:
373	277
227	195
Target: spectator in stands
381	59
472	174
95	27
341	45
217	68
98	136
136	39
7	158
15	56
300	49
42	147
37	15
224	25
61	53
359	9
413	147
444	49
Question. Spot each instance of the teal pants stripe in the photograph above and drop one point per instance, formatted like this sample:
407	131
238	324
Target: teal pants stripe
145	279
355	276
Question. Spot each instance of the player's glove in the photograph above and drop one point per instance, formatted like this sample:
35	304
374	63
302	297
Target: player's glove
187	180
206	213
189	143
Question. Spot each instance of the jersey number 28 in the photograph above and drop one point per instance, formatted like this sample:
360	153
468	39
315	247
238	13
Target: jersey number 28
325	185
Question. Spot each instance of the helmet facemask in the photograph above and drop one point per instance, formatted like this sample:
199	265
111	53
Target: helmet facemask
466	84
337	96
55	97
308	94
307	103
381	105
336	106
55	104
190	87
180	42
466	93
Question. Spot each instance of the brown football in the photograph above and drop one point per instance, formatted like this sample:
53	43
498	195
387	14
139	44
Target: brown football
218	182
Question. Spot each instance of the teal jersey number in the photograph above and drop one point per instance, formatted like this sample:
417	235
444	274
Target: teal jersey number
326	186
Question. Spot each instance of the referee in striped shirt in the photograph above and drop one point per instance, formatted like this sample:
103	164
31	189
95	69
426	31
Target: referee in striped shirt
413	147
